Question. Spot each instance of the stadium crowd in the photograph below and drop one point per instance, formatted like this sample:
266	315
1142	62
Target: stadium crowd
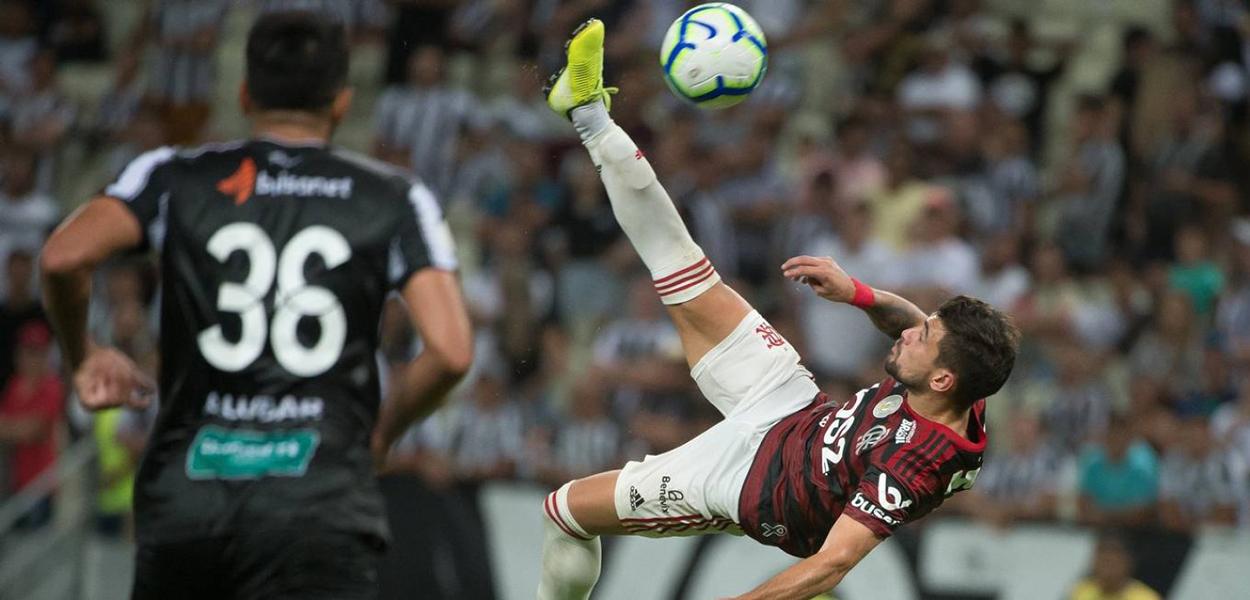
1085	172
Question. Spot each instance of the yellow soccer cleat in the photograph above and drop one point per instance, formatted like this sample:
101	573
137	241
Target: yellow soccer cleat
581	80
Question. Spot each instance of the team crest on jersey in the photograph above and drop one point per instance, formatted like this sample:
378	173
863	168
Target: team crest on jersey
888	406
906	430
871	438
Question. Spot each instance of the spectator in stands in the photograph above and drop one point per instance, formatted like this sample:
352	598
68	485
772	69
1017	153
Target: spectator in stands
121	103
1119	478
1232	317
1170	350
18	45
939	264
859	345
32	408
586	249
182	77
857	171
1230	425
1075	403
1014	182
900	202
1090	184
1199	483
119	448
1004	281
419	124
26	214
77	32
487	439
1021	482
20	307
638	356
1194	273
362	19
1015	83
1187	178
1111	575
42	117
587	440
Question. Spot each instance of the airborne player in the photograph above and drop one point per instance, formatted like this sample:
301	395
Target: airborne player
822	479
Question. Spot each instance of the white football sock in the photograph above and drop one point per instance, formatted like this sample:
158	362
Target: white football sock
644	210
571	557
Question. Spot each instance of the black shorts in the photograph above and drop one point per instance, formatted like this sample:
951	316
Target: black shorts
268	565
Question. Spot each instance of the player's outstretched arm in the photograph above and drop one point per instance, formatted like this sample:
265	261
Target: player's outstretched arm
437	311
891	313
103	377
849	542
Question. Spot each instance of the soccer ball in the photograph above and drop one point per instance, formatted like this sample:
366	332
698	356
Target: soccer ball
714	55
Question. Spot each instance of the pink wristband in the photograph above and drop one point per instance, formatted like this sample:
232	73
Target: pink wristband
864	298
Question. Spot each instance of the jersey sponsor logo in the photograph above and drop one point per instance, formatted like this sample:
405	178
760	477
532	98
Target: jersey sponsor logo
888	496
220	453
668	495
241	183
263	409
769	530
906	431
770	336
888	406
248	181
866	506
869	439
285	184
635	499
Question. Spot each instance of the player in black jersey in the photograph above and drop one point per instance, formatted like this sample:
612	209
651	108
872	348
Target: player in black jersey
277	254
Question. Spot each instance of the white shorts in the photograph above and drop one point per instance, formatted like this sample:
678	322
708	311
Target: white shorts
755	379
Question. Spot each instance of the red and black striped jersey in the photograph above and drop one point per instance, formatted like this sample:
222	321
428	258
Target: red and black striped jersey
872	458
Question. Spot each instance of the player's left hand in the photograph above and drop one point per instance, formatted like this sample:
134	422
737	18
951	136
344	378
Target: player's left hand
108	378
823	275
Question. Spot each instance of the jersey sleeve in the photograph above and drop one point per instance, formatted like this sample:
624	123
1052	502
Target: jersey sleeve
422	240
142	186
883	502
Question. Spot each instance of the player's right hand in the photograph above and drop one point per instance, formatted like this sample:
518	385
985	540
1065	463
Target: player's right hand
108	378
821	274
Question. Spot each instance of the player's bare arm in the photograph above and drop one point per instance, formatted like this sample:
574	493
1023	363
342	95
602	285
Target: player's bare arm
891	313
103	377
443	325
849	542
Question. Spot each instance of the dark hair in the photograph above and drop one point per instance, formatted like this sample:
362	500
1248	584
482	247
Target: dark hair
979	346
296	61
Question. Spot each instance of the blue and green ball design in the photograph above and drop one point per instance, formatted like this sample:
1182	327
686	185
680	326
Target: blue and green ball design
714	55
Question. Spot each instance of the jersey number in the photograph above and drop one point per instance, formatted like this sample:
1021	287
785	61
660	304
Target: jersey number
295	300
835	436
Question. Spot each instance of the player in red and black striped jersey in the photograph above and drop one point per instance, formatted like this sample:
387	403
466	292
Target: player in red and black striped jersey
872	458
821	479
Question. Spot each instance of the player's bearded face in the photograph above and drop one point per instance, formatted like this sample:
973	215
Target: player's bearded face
909	362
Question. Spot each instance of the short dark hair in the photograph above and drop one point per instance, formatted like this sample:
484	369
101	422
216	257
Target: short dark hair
296	61
979	346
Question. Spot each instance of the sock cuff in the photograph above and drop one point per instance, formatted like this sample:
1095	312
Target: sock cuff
590	121
686	282
557	508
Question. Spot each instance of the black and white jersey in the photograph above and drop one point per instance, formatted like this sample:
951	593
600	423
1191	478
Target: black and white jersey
275	263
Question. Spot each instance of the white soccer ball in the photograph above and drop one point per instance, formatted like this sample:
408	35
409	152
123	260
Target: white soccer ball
714	55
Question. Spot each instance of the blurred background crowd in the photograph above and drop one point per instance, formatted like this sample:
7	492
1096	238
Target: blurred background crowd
1078	163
